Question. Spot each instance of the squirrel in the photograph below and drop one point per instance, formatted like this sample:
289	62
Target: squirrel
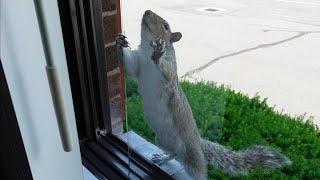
169	114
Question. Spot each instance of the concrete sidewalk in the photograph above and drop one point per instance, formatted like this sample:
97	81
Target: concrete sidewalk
269	47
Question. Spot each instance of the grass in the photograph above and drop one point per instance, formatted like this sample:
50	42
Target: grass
235	120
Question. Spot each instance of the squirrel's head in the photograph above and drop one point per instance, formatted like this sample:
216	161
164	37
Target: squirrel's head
154	27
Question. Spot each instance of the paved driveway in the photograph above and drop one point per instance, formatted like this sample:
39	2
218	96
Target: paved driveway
269	47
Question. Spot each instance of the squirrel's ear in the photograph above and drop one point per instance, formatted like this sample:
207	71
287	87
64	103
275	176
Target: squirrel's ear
175	37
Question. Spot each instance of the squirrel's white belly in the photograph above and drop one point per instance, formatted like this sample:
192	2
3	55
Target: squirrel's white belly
156	108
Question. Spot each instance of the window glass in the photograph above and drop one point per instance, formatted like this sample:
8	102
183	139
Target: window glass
249	71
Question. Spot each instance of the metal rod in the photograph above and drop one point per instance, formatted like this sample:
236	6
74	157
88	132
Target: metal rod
54	83
44	32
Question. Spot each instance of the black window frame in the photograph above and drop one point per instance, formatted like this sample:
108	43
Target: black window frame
103	153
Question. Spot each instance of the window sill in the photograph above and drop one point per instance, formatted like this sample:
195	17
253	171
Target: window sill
107	158
147	149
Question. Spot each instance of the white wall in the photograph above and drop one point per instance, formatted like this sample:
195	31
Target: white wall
24	65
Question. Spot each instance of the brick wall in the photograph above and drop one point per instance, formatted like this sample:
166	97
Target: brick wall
111	16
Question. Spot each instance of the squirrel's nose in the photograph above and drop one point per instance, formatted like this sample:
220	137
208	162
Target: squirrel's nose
147	13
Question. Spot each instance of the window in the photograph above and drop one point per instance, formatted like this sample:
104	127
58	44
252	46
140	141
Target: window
250	71
99	107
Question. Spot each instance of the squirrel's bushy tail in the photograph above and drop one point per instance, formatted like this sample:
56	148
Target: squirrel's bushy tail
240	162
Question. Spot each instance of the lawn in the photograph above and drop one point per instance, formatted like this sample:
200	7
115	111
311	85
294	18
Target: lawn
237	121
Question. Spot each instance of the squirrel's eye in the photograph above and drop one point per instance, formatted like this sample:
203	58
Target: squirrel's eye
166	26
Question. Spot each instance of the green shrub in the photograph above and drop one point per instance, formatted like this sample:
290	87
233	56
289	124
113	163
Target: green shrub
237	121
131	87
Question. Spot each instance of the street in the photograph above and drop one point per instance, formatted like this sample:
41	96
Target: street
267	47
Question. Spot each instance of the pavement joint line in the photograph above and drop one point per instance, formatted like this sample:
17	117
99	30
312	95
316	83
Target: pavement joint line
260	46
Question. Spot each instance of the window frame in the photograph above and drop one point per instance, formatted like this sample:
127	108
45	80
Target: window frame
103	153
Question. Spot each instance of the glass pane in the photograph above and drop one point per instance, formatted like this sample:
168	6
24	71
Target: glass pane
250	72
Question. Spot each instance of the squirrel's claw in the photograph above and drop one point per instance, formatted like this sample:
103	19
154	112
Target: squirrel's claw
121	35
122	40
159	47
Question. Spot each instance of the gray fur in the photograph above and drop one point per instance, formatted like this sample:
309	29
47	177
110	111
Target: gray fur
169	114
240	162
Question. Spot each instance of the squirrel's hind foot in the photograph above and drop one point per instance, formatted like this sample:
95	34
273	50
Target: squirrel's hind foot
160	159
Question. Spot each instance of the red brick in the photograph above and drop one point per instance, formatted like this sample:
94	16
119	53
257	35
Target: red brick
111	58
108	5
111	26
109	29
115	109
114	84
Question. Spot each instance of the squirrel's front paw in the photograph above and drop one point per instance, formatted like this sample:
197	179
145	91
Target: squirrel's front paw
122	40
159	47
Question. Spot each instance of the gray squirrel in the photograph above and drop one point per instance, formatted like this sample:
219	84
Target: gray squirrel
169	114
